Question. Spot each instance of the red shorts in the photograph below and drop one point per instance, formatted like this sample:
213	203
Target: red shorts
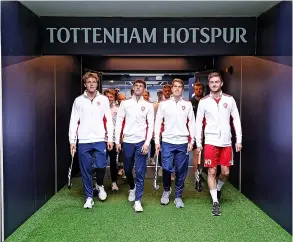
214	156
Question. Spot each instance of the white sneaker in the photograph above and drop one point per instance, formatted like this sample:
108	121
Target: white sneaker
137	206
114	186
89	203
102	193
165	199
178	203
131	196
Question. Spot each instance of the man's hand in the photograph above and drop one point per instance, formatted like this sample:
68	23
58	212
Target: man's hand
145	149
199	149
158	148
110	145
238	147
189	147
118	147
72	149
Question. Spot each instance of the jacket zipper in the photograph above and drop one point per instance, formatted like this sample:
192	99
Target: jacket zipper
219	119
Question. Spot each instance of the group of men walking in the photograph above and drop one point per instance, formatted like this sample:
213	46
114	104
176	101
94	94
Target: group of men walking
178	126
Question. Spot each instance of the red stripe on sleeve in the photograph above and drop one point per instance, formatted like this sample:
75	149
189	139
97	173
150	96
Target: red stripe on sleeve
147	128
122	129
232	124
189	137
78	123
162	126
105	126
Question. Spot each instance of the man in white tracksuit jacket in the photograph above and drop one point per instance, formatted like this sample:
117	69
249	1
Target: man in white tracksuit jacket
178	134
90	123
137	117
215	111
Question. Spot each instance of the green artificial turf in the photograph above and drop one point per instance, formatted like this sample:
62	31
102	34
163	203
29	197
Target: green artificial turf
63	218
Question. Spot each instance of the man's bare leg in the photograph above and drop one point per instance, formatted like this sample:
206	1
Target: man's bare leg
212	183
223	177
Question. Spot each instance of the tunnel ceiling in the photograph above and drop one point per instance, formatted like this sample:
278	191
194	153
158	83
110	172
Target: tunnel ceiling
149	8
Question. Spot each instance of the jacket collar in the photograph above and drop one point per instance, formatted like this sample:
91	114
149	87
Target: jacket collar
140	99
97	94
211	95
173	99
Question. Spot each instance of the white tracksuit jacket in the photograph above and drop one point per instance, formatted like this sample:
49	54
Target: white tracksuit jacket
217	129
178	122
138	117
91	121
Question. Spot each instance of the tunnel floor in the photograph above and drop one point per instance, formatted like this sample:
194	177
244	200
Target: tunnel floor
63	218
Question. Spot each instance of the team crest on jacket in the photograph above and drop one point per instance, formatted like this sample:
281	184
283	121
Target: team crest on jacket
183	107
142	108
98	103
225	105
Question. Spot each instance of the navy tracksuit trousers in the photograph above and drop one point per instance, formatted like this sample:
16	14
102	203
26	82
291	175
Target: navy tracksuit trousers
131	153
178	154
92	154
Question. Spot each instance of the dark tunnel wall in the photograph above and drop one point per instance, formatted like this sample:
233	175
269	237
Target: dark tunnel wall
28	96
266	115
264	84
274	34
29	132
19	33
68	80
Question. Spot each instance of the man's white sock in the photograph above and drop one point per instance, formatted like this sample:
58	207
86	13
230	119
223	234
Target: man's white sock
219	185
214	195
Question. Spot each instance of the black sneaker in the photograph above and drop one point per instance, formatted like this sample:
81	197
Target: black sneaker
198	186
201	178
216	211
219	195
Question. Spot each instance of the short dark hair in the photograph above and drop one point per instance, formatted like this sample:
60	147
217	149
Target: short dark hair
140	81
215	74
198	84
167	86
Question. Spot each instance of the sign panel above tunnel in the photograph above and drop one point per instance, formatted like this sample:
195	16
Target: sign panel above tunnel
172	36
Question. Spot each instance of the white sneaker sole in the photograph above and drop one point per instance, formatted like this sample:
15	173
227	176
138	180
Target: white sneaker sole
102	198
180	206
166	203
138	210
89	206
216	214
